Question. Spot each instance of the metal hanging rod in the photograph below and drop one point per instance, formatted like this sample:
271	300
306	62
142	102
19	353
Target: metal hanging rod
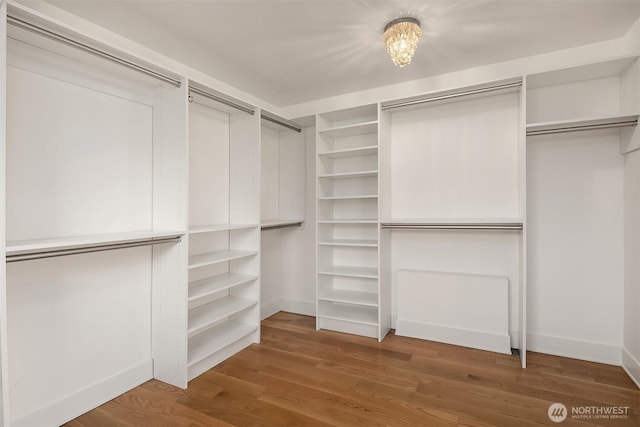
89	49
279	121
452	226
423	100
578	128
221	100
267	227
89	249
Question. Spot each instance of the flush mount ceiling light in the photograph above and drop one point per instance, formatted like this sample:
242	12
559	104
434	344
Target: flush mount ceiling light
401	36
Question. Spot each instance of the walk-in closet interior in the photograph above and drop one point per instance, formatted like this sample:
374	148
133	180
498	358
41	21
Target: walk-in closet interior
155	213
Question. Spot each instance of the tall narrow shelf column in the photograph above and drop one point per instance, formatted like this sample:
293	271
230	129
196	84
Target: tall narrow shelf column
348	233
224	229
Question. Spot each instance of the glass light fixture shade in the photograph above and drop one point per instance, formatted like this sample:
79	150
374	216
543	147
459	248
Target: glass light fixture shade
401	37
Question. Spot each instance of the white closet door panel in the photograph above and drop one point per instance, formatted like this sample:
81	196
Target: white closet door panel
270	197
208	166
456	160
575	236
79	161
75	321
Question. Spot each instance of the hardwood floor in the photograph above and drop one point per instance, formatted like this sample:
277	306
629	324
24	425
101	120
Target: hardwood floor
299	376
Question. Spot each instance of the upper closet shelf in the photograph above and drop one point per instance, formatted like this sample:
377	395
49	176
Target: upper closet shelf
274	224
351	152
563	126
216	257
351	130
46	248
219	227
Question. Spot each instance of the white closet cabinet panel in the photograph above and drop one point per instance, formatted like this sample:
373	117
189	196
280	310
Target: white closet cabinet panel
73	322
61	136
456	160
576	259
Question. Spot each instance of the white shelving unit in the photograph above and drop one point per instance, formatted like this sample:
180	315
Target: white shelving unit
582	168
95	219
224	230
348	282
452	200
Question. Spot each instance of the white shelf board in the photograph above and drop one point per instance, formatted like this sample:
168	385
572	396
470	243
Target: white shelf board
581	124
368	299
350	313
345	175
351	152
203	317
206	344
461	221
348	271
219	227
211	285
332	198
24	247
348	221
363	243
218	256
351	129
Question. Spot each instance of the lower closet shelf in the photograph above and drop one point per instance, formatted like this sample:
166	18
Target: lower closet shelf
350	313
216	340
205	316
347	271
209	286
216	257
369	299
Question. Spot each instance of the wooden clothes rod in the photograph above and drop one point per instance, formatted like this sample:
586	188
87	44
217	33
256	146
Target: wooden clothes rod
222	100
89	249
90	49
452	226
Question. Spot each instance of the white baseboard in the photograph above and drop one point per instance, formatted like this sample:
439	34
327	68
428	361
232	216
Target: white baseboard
576	349
73	405
269	309
305	308
457	336
631	366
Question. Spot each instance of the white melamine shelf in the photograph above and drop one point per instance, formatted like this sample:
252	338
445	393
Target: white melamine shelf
211	285
368	299
363	243
205	316
60	244
348	221
344	175
347	271
351	130
370	196
351	152
218	256
219	227
351	313
217	338
562	126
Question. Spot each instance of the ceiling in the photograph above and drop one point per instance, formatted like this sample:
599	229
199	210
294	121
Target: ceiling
292	51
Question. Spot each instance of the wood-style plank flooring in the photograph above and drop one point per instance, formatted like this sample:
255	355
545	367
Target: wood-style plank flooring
299	376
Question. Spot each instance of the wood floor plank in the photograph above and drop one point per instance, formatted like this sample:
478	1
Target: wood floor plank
298	376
